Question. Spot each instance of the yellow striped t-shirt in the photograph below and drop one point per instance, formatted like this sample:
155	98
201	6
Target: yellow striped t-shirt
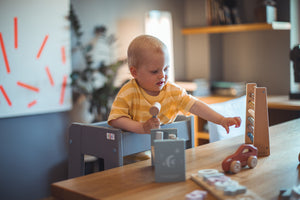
133	102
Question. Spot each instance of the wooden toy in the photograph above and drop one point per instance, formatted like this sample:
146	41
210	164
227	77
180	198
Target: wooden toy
229	189
218	179
218	175
296	192
235	190
160	134
203	172
245	155
257	125
223	185
172	136
154	110
196	195
285	194
290	194
169	160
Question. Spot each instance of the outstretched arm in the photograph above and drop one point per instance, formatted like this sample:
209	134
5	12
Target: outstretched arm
204	111
130	125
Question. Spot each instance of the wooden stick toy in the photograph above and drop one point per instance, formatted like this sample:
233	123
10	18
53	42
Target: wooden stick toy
154	110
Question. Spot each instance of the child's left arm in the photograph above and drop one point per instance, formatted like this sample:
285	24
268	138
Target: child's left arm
202	110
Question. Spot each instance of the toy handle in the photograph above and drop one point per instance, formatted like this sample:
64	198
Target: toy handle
155	108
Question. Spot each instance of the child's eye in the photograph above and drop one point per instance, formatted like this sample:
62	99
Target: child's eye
154	72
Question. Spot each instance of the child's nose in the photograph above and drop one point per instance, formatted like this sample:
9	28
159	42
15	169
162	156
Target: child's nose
161	74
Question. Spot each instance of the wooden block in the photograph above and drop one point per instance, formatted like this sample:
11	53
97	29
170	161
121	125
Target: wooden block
196	195
219	194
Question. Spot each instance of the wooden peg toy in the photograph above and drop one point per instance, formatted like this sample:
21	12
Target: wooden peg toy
155	108
222	187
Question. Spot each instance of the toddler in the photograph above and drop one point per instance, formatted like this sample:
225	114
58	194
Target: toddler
148	62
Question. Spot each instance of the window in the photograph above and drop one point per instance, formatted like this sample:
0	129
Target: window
159	24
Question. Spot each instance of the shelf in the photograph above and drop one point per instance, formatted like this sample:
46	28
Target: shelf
203	135
237	28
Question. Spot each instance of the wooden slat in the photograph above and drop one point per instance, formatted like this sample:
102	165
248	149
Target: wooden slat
237	28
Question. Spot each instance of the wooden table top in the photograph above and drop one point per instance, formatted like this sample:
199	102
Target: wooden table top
136	181
283	103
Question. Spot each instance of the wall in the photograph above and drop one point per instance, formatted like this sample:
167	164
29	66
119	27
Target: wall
37	51
125	18
33	154
259	56
33	148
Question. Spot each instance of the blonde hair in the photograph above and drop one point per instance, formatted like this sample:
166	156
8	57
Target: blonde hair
139	45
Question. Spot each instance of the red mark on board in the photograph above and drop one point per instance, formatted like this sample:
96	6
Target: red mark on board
29	87
5	95
16	32
63	88
4	53
49	76
42	47
31	103
63	55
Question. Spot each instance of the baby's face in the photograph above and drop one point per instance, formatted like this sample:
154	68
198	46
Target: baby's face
152	74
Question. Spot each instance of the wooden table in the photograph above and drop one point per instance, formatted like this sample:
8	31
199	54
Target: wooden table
283	103
136	181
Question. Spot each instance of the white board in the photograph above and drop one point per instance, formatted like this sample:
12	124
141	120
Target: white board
34	57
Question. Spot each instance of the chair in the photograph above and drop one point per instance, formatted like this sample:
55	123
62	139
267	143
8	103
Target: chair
231	108
111	144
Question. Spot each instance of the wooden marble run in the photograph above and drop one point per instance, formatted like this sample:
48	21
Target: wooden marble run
257	119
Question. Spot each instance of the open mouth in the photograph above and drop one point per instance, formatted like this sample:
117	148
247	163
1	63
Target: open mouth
160	83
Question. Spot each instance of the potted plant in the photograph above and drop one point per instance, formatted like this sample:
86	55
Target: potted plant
96	80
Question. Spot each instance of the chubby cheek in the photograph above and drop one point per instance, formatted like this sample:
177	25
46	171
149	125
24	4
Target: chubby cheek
167	77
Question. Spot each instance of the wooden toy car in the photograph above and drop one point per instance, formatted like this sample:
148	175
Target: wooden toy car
246	154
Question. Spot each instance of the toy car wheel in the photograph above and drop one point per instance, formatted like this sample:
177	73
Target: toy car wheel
235	166
252	161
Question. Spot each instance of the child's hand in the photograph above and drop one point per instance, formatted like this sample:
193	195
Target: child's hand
152	123
230	121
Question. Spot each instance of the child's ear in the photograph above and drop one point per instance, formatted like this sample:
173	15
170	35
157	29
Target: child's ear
133	71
